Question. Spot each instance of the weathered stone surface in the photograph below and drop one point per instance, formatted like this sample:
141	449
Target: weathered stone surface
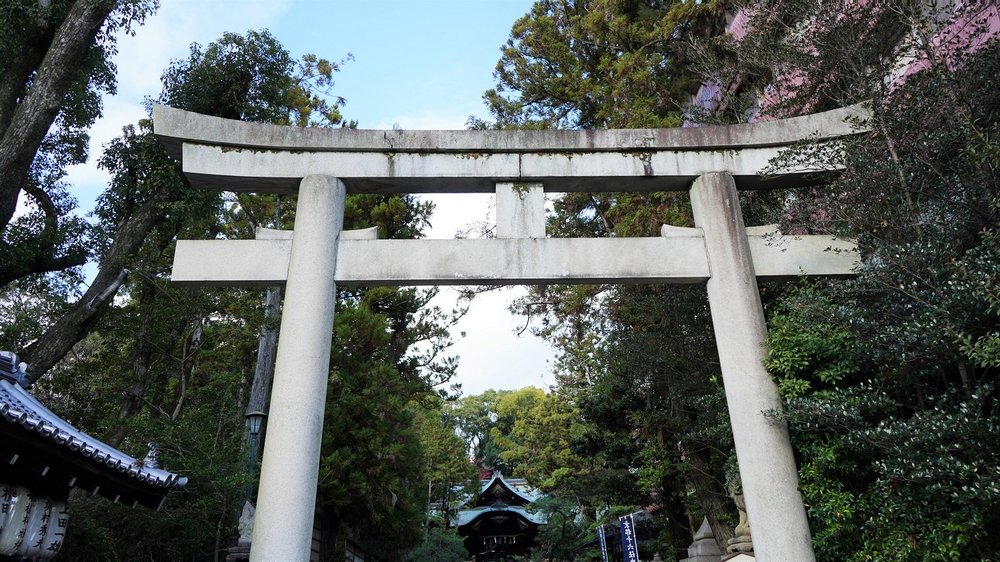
286	497
677	258
767	467
233	155
520	210
704	548
174	126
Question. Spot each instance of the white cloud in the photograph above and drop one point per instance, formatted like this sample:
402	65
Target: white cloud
491	354
168	34
458	212
432	121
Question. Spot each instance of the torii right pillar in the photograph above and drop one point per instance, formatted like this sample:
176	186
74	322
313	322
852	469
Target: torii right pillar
767	467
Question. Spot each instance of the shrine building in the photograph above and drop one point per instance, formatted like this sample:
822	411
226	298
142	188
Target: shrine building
499	525
43	457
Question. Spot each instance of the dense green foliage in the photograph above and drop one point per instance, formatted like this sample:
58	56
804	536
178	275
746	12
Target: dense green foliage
52	79
439	545
633	370
599	63
174	366
888	378
374	470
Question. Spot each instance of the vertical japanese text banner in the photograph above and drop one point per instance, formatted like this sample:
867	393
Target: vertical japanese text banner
604	543
630	548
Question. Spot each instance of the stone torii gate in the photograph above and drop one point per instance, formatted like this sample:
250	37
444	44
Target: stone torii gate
323	165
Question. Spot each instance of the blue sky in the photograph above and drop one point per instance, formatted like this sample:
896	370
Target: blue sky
418	64
424	64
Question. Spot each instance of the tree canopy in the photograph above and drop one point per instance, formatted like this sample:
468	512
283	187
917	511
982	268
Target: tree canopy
880	373
174	365
54	67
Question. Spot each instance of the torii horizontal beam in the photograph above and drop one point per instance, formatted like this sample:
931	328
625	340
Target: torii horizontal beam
239	156
677	257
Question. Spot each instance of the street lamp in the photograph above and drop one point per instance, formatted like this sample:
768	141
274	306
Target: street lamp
254	421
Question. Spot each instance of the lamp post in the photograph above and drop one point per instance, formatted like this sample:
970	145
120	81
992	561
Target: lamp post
241	552
254	423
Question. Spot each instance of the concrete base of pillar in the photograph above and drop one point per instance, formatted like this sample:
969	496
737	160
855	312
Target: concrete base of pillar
238	553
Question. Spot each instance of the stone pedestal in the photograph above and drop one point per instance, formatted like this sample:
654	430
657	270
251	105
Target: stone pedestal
241	551
704	548
238	553
743	541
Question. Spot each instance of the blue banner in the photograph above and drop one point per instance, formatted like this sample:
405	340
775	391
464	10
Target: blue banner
630	548
604	543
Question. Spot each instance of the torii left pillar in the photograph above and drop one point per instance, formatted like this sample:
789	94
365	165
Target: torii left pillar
290	467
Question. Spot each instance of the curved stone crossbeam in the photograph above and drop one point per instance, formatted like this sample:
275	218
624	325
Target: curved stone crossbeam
239	156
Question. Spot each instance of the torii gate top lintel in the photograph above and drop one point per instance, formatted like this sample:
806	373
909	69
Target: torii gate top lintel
240	156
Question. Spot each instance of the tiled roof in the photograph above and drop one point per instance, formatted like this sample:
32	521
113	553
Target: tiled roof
26	421
518	486
489	501
467	516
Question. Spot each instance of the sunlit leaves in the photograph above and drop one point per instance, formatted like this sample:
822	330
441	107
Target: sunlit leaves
598	64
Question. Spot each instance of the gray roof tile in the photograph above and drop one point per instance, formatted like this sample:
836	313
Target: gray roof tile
19	408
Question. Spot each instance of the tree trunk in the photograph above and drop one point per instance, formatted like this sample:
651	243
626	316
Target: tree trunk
73	326
141	361
15	77
192	345
714	501
223	513
264	372
38	108
41	250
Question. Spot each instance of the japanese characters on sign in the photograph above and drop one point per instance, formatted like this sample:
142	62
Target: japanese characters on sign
630	548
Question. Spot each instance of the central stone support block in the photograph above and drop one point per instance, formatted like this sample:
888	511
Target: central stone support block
520	210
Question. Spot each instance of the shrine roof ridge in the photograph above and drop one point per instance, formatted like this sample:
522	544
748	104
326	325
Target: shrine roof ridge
21	411
174	127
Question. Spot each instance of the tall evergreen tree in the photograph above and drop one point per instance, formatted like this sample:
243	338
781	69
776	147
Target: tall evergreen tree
639	373
173	365
921	199
54	66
